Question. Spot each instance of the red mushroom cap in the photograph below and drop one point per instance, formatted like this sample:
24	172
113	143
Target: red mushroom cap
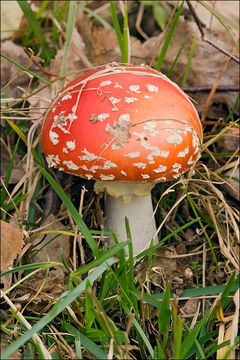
122	123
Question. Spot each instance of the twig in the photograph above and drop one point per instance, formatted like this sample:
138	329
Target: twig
210	42
33	58
220	88
213	90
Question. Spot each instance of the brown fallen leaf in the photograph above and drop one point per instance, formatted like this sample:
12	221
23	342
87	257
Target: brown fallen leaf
11	244
190	307
10	71
206	62
47	291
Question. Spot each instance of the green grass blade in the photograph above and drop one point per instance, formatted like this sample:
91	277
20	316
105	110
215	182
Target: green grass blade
97	17
164	316
140	331
169	73
102	258
188	293
116	26
168	38
25	69
219	16
34	25
189	61
234	108
73	211
86	342
54	27
177	336
58	308
222	19
24	139
201	224
70	26
130	279
8	174
189	340
126	45
29	267
42	8
154	247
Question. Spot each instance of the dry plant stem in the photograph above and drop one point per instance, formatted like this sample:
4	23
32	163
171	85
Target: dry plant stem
35	337
220	88
74	48
35	60
210	42
139	20
212	92
67	347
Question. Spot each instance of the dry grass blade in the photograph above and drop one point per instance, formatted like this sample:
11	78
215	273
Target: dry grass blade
22	319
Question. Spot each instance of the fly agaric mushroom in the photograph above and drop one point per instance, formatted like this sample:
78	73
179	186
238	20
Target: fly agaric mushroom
128	127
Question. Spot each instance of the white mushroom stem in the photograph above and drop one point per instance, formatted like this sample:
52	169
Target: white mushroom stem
134	202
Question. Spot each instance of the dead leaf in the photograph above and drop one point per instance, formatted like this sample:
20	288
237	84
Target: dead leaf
51	250
229	142
5	342
190	307
206	63
233	181
11	245
47	291
10	70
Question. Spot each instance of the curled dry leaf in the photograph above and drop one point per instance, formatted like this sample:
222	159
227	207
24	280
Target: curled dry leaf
11	245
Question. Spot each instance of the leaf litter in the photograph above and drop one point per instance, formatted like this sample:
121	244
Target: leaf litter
173	263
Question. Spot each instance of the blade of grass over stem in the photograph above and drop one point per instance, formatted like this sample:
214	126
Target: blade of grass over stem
161	242
73	211
168	38
130	283
58	307
70	26
189	61
102	258
25	69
